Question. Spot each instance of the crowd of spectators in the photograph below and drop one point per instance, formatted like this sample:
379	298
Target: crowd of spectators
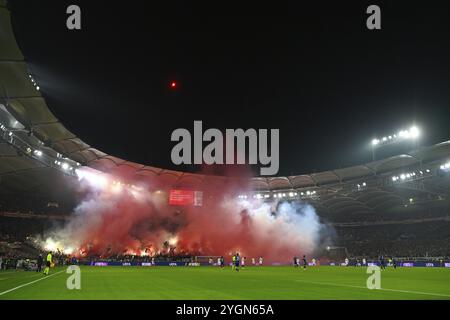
426	239
34	205
348	217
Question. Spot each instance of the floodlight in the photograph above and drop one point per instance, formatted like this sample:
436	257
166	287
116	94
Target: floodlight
414	132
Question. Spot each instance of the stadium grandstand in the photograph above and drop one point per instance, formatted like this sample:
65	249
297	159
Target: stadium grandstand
399	205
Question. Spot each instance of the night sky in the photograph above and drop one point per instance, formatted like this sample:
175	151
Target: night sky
313	71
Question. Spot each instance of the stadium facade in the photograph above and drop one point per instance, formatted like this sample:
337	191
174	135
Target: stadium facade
38	155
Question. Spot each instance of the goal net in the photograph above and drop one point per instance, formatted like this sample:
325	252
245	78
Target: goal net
212	260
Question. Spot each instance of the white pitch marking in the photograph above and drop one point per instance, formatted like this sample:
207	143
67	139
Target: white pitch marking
393	290
26	284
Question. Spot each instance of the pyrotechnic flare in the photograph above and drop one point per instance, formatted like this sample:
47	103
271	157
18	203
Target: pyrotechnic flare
118	217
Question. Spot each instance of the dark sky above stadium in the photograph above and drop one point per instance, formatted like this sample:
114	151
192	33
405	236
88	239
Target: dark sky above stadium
312	70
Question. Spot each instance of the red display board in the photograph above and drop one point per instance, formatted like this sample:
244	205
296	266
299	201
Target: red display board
178	197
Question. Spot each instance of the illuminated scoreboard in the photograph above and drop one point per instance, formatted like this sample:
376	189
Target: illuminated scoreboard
179	197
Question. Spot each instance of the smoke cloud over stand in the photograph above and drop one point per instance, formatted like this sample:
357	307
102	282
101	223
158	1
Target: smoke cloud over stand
117	217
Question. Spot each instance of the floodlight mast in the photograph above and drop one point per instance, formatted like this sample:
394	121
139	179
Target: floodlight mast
403	135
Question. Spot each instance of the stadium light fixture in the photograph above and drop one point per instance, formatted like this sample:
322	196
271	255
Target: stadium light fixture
360	186
409	176
412	133
445	166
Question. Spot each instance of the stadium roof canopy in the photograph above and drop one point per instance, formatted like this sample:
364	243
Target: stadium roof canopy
28	125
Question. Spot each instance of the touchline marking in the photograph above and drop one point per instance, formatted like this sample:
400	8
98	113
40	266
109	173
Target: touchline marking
26	284
382	289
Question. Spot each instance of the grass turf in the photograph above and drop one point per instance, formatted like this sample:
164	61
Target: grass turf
214	283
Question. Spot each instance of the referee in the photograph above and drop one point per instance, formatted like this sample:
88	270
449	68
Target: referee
48	263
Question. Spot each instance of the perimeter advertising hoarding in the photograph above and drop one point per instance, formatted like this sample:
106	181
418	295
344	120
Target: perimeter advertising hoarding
144	264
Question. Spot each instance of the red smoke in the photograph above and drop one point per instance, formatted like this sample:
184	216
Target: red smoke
117	218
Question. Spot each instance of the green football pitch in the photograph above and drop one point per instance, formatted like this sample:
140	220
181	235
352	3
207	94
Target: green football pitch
204	283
